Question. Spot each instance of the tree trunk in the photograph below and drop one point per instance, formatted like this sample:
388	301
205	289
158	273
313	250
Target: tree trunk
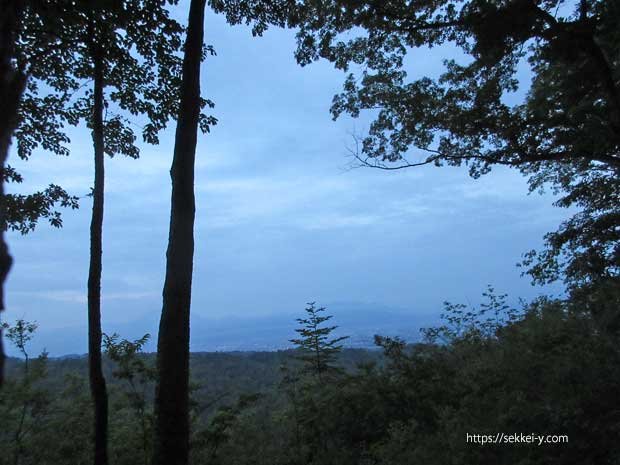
172	395
95	372
12	82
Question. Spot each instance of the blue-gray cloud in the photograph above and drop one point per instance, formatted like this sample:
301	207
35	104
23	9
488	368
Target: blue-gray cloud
280	219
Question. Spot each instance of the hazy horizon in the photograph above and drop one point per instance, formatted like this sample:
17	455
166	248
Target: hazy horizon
281	219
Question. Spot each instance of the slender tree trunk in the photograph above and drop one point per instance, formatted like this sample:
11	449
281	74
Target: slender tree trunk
172	396
17	437
12	82
97	381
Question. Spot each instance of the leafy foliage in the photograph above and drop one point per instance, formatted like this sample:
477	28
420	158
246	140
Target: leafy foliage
139	377
139	43
546	368
462	323
551	367
24	211
561	129
23	401
209	440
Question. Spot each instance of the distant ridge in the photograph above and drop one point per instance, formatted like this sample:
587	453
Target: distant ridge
359	321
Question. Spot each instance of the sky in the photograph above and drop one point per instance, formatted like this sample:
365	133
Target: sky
281	218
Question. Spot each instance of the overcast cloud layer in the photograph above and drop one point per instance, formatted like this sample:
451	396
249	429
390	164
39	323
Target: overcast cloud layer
280	219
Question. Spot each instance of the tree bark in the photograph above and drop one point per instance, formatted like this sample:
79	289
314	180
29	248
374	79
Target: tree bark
172	395
95	372
12	83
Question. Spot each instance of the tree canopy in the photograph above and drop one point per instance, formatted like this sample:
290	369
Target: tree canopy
551	367
532	84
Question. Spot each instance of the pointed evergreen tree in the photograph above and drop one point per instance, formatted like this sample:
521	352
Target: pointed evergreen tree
318	351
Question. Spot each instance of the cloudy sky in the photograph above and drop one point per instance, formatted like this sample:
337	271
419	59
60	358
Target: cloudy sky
281	220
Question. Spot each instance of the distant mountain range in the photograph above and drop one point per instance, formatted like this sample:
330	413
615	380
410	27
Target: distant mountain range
252	333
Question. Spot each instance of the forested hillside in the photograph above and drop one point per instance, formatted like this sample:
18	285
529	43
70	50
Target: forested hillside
219	377
524	94
544	371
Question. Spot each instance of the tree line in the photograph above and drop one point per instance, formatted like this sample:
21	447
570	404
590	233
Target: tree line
103	63
543	368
